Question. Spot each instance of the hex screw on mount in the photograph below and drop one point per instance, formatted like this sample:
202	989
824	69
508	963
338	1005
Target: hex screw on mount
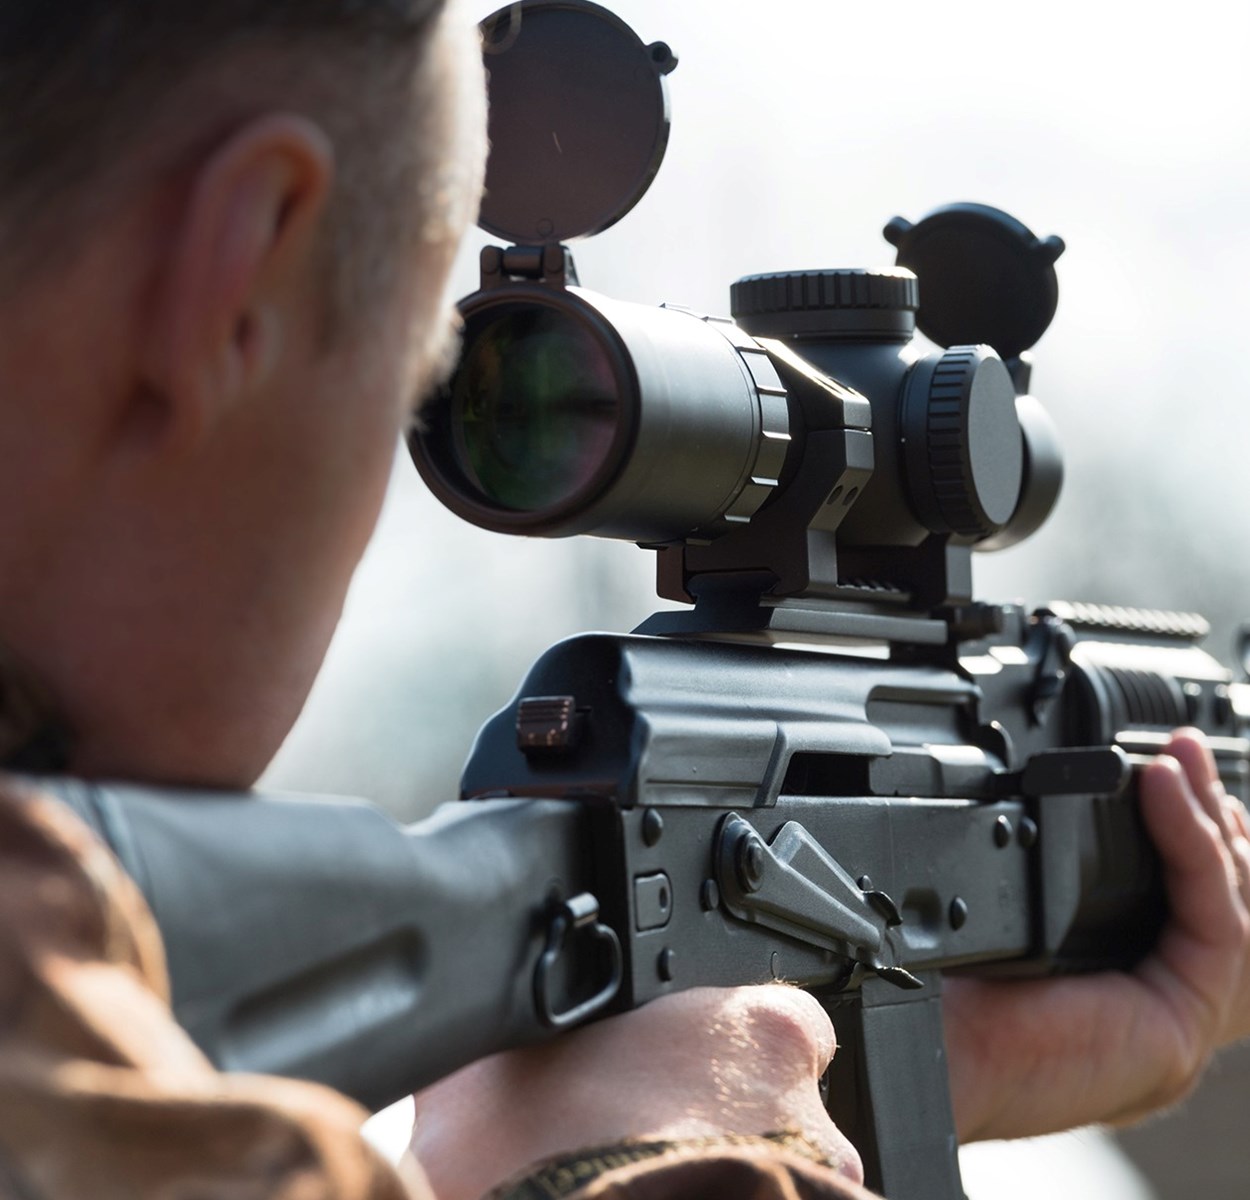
665	964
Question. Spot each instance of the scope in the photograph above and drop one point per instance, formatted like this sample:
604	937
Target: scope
810	447
570	413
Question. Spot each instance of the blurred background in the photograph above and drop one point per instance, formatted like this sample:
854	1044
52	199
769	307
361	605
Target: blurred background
799	128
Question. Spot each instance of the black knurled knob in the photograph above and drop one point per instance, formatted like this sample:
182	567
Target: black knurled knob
963	447
844	302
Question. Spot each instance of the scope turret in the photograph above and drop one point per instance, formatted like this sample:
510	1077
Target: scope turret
859	304
811	450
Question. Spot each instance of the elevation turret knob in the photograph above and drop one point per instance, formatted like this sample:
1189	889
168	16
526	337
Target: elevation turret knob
963	449
827	304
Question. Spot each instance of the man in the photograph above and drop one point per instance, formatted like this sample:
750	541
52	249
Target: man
226	231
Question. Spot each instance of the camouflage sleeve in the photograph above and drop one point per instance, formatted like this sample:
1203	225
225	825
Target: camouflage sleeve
101	1094
777	1167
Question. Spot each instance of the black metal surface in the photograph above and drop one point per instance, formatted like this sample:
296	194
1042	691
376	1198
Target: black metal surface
813	452
846	303
857	826
888	1090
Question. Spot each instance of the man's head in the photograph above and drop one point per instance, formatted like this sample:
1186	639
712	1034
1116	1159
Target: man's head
84	82
225	232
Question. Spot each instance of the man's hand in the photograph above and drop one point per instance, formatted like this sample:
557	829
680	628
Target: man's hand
1040	1055
697	1064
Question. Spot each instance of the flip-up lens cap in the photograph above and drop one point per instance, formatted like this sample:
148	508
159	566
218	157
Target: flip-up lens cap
579	120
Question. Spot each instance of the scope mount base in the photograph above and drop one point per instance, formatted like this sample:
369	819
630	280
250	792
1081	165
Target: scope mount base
742	617
551	264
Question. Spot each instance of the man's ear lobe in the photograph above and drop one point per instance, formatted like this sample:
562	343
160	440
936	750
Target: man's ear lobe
241	272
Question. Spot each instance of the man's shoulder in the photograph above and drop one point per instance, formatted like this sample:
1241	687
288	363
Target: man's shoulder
63	892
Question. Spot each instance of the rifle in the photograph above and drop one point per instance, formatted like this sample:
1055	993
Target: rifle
837	768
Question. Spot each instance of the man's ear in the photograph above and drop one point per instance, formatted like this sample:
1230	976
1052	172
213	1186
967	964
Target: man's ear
238	276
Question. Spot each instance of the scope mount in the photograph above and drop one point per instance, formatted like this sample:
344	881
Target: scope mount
551	264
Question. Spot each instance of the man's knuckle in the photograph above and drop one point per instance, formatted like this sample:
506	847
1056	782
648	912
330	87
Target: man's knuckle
1242	919
790	1027
1181	1081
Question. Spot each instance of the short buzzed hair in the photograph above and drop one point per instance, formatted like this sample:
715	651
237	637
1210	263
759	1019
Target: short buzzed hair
83	80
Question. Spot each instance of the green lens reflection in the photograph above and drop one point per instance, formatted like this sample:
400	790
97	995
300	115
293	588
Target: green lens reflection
534	407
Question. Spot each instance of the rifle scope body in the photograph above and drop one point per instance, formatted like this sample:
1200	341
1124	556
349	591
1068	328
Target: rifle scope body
812	444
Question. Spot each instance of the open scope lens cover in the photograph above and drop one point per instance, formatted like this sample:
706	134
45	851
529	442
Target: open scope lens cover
579	120
984	276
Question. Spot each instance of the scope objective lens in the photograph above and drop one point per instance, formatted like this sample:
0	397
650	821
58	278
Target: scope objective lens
573	413
533	410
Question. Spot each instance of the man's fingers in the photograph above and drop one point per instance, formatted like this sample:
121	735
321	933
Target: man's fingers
1239	817
1190	749
1200	960
1239	843
791	1024
1188	837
